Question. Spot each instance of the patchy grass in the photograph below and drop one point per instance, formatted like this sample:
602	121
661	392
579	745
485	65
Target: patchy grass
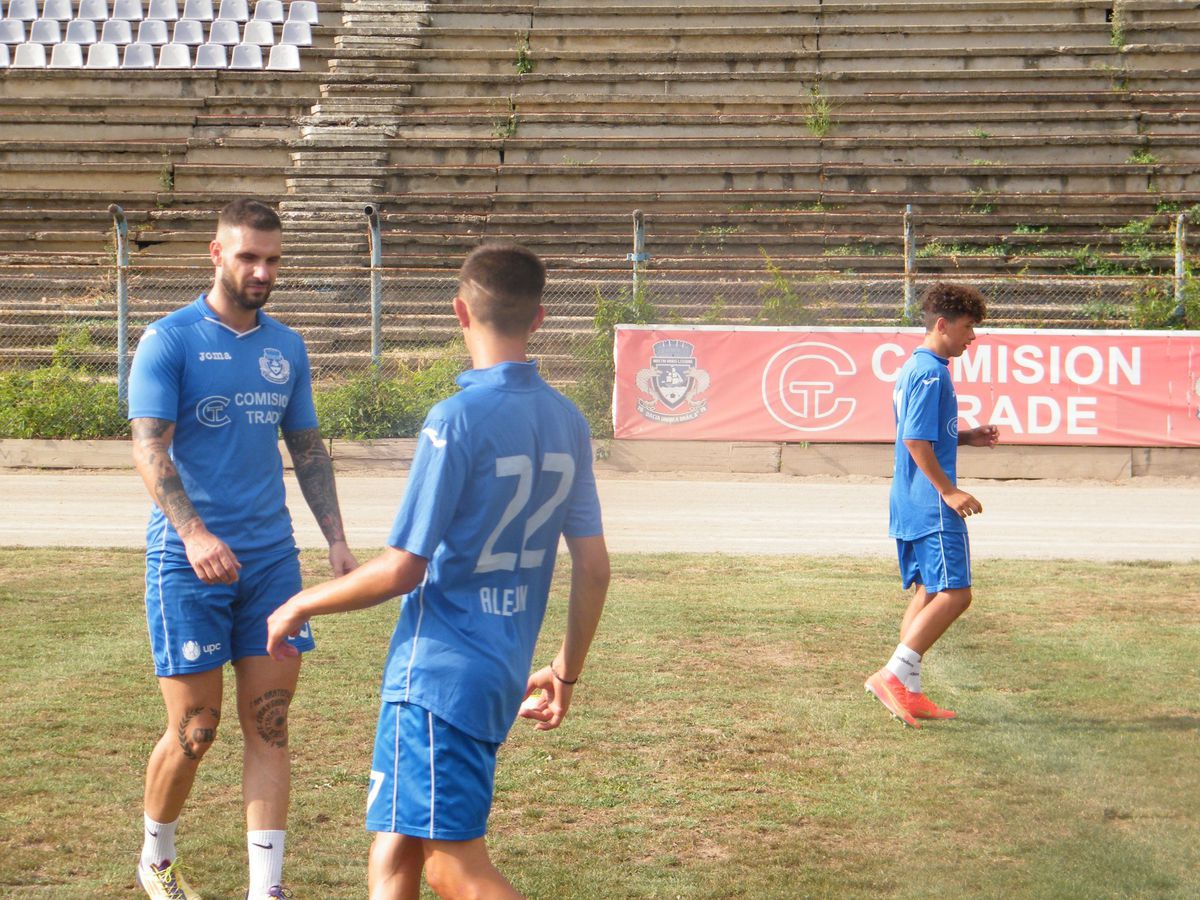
720	746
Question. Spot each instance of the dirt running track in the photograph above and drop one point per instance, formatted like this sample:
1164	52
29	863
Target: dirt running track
1150	519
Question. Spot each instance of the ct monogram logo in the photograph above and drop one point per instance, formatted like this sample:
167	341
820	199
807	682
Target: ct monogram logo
211	411
799	386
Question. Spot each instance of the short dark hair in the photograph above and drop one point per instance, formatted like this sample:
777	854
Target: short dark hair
952	302
250	214
502	285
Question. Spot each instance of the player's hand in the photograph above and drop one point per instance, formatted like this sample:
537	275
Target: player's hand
983	436
211	559
341	560
549	708
285	622
962	503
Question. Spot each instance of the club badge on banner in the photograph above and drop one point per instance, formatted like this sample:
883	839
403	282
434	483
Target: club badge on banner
1103	388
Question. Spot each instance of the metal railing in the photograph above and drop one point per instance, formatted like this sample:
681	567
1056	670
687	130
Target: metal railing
368	318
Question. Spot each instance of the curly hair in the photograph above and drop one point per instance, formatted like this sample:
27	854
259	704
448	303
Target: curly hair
952	302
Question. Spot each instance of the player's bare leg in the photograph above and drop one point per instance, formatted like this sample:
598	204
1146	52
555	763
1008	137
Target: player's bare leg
461	869
394	868
193	710
264	688
939	613
919	601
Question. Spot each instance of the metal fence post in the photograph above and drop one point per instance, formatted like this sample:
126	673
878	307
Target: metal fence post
1180	258
910	265
121	225
639	254
372	214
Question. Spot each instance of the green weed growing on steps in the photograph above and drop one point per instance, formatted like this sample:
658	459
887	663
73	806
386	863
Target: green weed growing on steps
1142	157
782	304
819	118
592	393
62	401
1154	306
1119	24
506	128
524	63
382	404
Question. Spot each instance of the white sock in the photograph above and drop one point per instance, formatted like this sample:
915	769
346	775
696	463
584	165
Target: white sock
266	860
905	664
158	845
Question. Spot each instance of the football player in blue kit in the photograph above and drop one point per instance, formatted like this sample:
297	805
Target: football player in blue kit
928	510
502	470
211	388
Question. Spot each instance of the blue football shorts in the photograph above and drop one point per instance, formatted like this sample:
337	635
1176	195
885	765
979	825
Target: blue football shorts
939	561
195	626
428	779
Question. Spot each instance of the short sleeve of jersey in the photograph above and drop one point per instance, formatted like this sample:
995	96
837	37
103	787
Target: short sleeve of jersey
440	469
921	408
156	377
301	414
583	503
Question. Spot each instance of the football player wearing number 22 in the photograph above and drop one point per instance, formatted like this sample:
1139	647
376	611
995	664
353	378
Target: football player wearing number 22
502	470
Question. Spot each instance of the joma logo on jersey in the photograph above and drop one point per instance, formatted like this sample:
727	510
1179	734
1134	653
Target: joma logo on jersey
207	355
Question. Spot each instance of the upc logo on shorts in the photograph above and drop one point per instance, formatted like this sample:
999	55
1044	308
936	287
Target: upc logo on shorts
211	411
192	649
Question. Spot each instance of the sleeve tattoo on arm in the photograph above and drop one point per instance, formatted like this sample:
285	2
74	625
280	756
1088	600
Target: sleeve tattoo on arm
153	437
314	471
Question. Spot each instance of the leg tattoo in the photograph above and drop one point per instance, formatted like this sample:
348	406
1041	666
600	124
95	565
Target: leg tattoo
188	739
270	713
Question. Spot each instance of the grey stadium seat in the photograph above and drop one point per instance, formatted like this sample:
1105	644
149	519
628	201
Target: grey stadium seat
29	56
25	10
45	31
96	10
138	56
200	10
237	10
103	56
298	34
211	56
12	31
284	58
246	56
66	56
81	31
58	9
167	10
152	31
174	56
269	11
188	31
303	11
117	31
129	10
225	32
258	32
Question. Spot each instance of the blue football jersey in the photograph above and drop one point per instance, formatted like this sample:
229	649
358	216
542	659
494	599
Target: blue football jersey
926	409
229	394
501	470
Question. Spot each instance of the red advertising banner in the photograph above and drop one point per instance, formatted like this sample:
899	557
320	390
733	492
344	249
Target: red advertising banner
1101	388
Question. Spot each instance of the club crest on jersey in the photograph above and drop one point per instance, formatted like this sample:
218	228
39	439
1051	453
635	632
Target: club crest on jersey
672	384
273	366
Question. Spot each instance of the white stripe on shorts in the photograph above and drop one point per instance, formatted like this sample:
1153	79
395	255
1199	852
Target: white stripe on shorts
395	768
432	776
